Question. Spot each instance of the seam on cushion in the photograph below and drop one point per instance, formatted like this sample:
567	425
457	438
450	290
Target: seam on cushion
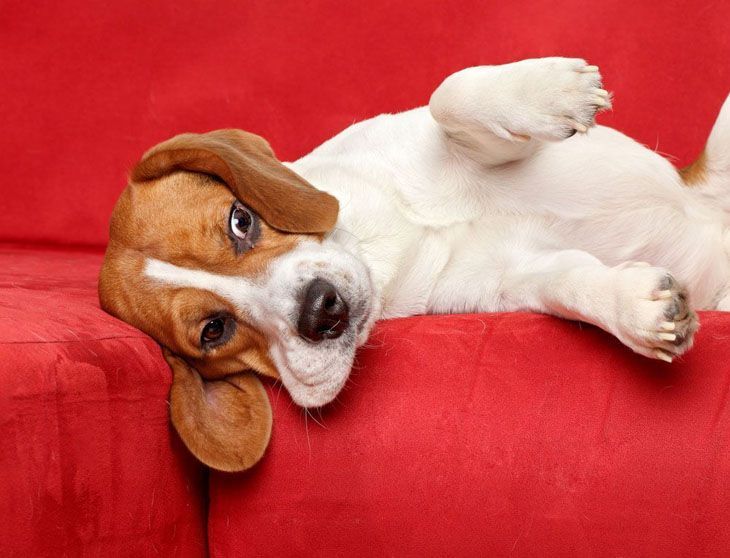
75	340
36	246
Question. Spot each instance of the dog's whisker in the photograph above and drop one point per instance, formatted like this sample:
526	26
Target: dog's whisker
306	429
278	391
314	419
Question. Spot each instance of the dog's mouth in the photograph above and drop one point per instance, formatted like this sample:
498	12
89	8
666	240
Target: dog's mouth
314	375
369	316
315	365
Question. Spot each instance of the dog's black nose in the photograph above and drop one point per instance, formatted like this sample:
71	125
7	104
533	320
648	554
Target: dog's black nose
324	313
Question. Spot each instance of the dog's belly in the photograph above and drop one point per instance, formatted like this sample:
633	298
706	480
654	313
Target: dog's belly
615	199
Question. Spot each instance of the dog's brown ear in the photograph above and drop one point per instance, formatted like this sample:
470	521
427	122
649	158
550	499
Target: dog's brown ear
225	423
246	163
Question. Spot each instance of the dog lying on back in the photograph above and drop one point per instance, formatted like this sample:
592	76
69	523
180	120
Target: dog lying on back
501	195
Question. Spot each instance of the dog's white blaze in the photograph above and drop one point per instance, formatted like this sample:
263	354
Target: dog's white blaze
239	291
197	279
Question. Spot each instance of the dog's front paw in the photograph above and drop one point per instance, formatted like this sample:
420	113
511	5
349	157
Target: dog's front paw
653	314
555	98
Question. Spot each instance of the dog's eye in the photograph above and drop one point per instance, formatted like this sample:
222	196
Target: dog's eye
213	330
241	220
243	227
216	332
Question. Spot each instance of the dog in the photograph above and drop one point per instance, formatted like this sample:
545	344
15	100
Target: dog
501	195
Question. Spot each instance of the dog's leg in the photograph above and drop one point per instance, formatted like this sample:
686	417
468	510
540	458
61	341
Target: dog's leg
499	114
643	306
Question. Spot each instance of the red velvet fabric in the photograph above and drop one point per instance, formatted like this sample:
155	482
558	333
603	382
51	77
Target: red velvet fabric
89	465
496	435
87	86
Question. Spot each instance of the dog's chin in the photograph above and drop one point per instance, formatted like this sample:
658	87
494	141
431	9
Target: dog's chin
314	374
316	388
317	395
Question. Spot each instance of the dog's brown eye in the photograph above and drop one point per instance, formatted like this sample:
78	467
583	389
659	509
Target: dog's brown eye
243	227
241	221
213	330
216	332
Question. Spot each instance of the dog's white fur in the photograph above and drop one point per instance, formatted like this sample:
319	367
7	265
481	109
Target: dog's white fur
479	203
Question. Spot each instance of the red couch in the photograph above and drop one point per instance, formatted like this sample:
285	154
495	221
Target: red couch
465	435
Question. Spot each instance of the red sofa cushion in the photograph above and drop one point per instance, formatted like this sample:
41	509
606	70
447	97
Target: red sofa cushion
88	86
496	435
88	463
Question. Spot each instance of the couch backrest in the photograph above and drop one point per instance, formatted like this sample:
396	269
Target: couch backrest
86	87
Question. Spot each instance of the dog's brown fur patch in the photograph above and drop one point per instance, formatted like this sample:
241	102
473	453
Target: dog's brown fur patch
695	173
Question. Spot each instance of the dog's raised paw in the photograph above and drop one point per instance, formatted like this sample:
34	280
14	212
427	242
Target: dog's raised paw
654	316
559	97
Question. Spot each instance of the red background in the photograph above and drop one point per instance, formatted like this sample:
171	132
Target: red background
87	86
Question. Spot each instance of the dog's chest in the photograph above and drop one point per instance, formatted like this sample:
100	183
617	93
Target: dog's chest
411	280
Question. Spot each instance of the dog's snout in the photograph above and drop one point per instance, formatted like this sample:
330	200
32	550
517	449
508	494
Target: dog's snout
324	313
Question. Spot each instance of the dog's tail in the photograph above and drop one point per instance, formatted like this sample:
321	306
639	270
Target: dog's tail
711	170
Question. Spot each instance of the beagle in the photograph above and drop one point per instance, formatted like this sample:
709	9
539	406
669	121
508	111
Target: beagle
501	195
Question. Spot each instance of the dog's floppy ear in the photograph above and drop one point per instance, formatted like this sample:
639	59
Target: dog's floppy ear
225	423
246	163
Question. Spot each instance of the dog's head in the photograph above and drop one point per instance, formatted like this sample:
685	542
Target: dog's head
221	253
